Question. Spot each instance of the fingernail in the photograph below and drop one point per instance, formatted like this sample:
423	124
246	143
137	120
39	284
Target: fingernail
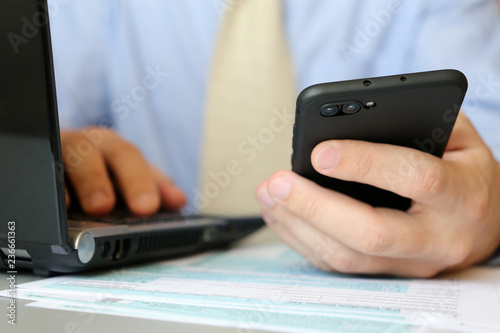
280	188
264	199
327	158
96	200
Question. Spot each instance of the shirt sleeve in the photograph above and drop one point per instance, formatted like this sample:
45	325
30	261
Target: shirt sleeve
79	31
465	35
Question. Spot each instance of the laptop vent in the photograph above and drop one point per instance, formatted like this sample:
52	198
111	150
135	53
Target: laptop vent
171	241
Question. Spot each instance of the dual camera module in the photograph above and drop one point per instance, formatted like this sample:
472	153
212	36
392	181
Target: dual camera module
351	107
333	109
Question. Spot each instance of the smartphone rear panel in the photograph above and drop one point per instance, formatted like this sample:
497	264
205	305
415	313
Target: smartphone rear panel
412	110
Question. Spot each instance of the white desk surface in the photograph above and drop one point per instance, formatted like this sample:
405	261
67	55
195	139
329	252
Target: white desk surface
33	319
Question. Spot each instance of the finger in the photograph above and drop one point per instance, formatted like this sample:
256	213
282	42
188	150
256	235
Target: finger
86	170
368	230
300	248
467	147
282	230
463	135
308	242
330	255
132	174
407	172
172	197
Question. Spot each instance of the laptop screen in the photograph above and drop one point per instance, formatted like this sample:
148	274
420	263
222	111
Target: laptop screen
31	181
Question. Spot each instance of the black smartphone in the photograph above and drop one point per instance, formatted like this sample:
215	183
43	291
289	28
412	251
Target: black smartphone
416	110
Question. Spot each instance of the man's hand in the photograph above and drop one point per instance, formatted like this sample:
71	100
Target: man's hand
98	162
454	220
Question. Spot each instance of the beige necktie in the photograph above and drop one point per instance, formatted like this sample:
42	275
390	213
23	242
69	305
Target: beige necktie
250	108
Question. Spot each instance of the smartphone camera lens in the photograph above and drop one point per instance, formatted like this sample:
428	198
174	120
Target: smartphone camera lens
329	110
351	108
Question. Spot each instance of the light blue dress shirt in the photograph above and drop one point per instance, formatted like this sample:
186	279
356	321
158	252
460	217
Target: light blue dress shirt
142	66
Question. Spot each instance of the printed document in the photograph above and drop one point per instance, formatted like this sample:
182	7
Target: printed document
270	287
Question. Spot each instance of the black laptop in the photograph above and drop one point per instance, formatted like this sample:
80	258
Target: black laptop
33	217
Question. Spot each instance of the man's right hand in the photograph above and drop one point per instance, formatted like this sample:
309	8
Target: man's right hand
99	162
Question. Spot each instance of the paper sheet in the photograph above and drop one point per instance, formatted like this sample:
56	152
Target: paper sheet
271	287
